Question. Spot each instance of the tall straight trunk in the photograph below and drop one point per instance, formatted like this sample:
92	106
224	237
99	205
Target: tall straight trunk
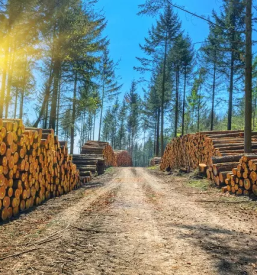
248	79
58	105
46	114
73	113
154	141
132	146
9	85
158	133
198	111
176	103
101	113
254	112
16	102
56	76
213	95
84	128
184	101
4	75
163	92
94	126
23	89
231	82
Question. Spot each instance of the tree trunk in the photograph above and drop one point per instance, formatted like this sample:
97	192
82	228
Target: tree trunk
184	101
56	76
9	85
58	105
45	103
254	112
248	78
231	84
101	114
73	113
154	141
23	90
198	111
3	82
163	93
46	114
213	95
176	103
158	133
94	126
16	102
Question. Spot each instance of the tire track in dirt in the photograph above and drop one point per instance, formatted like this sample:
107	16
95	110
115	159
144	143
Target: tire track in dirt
217	239
52	257
136	223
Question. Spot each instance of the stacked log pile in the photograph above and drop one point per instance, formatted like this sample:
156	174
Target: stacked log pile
100	148
122	158
219	168
89	165
34	166
242	179
188	151
198	150
155	161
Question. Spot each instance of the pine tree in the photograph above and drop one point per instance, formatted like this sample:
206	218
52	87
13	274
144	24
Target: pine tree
212	57
157	46
231	22
108	82
133	116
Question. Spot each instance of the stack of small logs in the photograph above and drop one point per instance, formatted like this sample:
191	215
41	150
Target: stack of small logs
122	158
242	179
100	148
34	166
89	165
155	161
190	150
217	171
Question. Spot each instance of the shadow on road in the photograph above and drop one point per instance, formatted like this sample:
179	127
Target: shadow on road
233	250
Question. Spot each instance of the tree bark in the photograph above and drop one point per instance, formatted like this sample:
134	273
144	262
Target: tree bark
101	114
56	76
184	101
44	106
16	102
176	103
3	82
9	85
231	84
158	133
213	94
23	90
163	93
73	113
248	78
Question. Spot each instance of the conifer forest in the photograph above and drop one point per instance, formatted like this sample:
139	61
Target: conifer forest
128	137
57	72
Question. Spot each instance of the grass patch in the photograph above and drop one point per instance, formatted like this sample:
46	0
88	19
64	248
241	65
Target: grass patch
202	184
109	170
153	167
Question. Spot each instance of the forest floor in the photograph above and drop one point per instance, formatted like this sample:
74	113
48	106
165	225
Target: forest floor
134	221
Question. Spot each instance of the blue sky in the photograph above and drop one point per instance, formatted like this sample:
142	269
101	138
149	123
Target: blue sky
126	30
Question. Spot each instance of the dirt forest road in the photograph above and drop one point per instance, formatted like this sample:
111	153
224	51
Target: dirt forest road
134	221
